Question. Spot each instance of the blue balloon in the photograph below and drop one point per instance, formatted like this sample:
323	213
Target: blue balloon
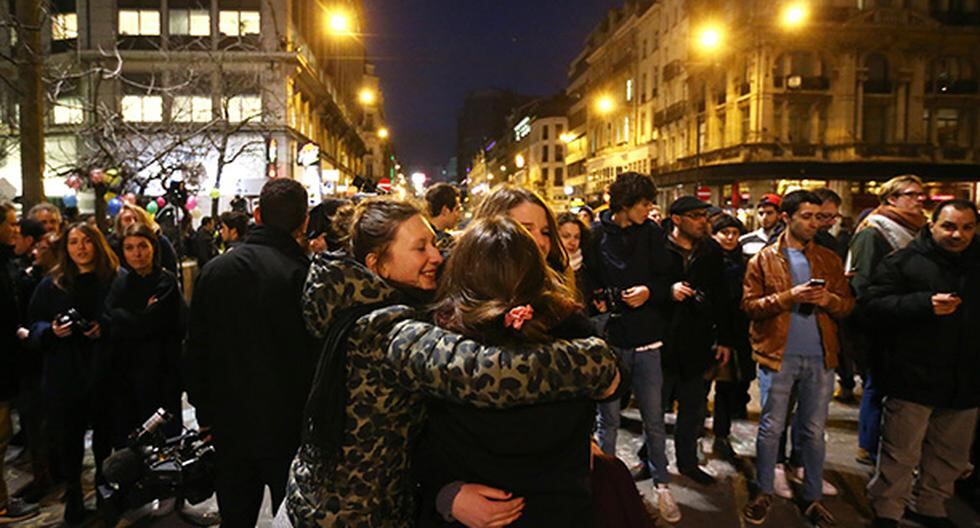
70	200
115	204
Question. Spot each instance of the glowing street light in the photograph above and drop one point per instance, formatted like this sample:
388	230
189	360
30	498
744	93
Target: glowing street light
367	96
567	137
605	104
339	22
710	38
383	133
519	161
795	15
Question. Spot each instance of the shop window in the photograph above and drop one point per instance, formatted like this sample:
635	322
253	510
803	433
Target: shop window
64	26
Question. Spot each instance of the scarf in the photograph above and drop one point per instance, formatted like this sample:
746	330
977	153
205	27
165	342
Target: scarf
898	226
575	259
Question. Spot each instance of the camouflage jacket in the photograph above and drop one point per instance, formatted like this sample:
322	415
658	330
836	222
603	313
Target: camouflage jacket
393	364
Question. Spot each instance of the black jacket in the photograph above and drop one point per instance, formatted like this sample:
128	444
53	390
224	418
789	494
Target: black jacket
734	276
203	246
250	360
10	320
699	322
146	340
623	258
168	255
928	359
76	365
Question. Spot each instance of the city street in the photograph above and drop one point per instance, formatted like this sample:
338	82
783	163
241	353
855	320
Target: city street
715	507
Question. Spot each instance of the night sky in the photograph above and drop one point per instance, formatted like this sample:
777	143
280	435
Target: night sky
430	53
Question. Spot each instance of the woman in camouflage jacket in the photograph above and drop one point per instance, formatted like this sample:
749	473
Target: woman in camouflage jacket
393	364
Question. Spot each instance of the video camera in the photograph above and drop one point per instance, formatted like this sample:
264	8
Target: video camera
72	317
155	467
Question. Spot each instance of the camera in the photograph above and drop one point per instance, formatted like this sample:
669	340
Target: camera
613	297
153	467
72	317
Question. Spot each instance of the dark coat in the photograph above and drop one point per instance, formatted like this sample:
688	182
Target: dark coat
10	320
623	258
146	342
203	246
696	324
168	255
76	365
250	360
928	359
734	275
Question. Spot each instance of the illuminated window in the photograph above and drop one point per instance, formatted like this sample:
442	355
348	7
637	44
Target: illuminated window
64	26
191	108
239	23
68	111
192	22
629	89
145	22
244	108
142	108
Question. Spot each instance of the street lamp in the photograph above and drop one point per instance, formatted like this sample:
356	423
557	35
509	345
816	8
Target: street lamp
339	22
795	15
567	137
605	104
519	161
710	38
367	96
383	133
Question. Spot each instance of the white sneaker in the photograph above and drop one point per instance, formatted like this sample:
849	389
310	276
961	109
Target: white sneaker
780	484
669	510
828	489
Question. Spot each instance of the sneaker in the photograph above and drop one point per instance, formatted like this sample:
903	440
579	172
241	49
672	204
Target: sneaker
757	511
669	510
698	475
17	510
864	457
780	483
828	489
818	515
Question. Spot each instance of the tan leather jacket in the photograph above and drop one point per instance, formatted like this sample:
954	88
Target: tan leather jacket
767	301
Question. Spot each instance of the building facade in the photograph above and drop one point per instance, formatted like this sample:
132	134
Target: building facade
744	97
229	92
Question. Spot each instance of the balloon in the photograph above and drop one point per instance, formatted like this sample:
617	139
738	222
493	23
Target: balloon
129	198
196	213
109	195
191	203
152	208
215	194
115	204
97	176
70	200
161	202
74	182
112	172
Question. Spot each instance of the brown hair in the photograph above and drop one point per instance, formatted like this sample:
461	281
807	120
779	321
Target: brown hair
374	226
106	262
476	292
142	231
507	197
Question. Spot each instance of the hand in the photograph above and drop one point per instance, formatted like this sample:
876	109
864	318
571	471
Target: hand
479	506
600	305
636	296
681	291
945	303
594	451
722	355
61	331
807	294
613	387
23	333
94	331
151	301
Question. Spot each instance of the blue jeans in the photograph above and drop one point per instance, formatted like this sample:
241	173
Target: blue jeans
814	386
869	418
646	378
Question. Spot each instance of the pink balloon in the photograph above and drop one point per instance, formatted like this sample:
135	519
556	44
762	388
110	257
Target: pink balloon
161	202
191	203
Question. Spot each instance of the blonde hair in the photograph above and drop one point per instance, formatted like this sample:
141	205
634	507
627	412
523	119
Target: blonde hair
895	185
142	217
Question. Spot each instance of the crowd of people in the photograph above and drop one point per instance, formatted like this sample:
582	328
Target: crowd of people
378	364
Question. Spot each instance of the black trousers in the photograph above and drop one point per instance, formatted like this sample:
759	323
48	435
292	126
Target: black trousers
241	482
691	410
74	419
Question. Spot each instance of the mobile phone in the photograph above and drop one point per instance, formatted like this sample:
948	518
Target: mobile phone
817	282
